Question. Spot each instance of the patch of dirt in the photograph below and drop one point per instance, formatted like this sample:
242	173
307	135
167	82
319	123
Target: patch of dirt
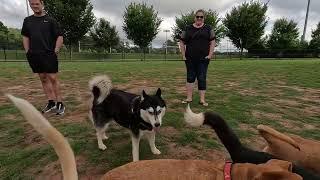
33	139
168	132
286	102
247	127
232	84
312	110
260	115
136	86
181	89
185	152
53	171
256	143
309	127
290	125
248	92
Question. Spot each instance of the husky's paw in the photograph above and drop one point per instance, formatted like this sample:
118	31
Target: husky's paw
102	147
156	151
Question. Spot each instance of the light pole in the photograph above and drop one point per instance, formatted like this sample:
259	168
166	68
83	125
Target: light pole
27	7
166	43
166	31
305	23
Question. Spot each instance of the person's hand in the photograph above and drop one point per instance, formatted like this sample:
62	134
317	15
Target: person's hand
184	58
208	57
56	50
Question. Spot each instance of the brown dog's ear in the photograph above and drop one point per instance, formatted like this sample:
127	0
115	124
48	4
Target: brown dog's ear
271	135
277	175
277	169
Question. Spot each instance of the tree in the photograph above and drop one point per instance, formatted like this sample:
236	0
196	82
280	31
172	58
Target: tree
141	24
245	24
284	35
75	17
211	18
315	41
104	35
3	38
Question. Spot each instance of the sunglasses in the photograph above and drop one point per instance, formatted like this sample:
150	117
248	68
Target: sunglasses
199	17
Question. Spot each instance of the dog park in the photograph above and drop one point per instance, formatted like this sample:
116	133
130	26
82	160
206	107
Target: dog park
283	94
116	89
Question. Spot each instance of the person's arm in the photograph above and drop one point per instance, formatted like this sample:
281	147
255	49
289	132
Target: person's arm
58	33
26	43
59	44
211	51
212	44
182	49
25	35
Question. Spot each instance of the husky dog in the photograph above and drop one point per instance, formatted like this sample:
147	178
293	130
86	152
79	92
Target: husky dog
142	115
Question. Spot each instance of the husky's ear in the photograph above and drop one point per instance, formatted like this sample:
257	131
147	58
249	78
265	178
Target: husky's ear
144	95
158	92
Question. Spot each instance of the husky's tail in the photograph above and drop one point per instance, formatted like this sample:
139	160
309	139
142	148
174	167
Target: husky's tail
51	134
216	122
265	130
100	86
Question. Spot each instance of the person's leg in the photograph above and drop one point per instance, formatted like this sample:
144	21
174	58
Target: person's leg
47	88
202	80
191	77
53	77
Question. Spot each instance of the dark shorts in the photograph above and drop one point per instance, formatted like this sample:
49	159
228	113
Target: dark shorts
43	62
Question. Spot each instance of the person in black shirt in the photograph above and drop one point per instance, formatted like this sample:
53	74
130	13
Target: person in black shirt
197	44
42	40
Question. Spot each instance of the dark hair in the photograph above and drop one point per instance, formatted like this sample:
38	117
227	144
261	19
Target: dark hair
200	11
41	1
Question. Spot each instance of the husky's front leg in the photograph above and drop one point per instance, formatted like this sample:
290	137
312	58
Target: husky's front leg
152	138
135	147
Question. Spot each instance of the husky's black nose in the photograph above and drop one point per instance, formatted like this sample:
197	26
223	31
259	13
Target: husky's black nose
157	124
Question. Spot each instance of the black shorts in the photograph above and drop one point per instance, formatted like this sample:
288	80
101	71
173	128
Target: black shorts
43	62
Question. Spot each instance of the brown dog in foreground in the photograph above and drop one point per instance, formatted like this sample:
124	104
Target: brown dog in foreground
293	148
170	169
155	169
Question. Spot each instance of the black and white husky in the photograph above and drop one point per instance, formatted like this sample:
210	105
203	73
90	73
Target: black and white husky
142	115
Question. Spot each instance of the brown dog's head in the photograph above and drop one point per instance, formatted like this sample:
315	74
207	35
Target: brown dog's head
273	169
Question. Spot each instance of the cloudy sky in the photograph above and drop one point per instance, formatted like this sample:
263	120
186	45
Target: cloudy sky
12	12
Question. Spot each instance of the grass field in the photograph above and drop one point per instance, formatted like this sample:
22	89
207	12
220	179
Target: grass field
283	94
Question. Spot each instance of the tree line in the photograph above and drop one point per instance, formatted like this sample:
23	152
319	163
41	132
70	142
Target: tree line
244	25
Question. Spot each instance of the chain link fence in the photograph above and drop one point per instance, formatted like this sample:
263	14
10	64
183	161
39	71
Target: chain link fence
87	52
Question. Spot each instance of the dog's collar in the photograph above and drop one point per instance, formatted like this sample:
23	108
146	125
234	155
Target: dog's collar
227	170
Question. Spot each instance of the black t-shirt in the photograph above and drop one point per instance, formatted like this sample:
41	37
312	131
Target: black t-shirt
197	41
42	32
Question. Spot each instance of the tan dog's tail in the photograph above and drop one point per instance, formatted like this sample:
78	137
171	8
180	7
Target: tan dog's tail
266	129
51	134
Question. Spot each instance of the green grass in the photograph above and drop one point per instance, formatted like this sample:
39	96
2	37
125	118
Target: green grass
244	92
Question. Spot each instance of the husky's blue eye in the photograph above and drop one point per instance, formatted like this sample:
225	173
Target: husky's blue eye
159	112
150	112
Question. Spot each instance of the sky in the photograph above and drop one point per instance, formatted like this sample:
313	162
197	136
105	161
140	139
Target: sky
12	13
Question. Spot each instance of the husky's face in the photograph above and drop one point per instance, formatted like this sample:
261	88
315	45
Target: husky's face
153	109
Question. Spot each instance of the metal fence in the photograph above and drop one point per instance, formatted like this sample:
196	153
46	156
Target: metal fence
169	53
